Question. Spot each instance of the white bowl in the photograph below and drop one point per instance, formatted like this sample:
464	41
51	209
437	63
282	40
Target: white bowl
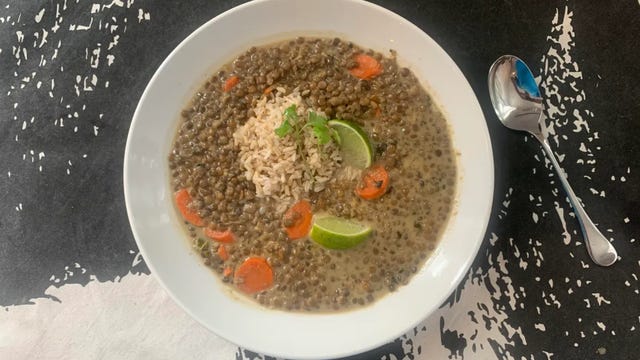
156	226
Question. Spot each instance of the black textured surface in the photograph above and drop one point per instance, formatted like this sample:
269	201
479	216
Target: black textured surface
82	217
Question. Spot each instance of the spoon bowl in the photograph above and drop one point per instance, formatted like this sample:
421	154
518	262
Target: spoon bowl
515	95
519	106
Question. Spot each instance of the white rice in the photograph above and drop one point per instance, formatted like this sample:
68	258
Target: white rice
273	164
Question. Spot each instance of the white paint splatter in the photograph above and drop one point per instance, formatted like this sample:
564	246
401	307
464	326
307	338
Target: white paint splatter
105	311
565	234
600	299
36	57
38	17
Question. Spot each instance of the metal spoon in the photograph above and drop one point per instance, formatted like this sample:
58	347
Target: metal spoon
518	104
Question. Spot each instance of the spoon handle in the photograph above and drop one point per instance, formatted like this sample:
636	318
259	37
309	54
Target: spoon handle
599	248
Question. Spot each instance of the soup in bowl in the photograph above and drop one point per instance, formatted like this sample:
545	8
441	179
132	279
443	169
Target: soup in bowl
300	182
313	174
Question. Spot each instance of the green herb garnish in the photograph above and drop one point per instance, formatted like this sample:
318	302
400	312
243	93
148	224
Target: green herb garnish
290	119
321	130
318	124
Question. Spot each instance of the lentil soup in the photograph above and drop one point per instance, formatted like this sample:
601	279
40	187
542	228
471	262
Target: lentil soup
259	158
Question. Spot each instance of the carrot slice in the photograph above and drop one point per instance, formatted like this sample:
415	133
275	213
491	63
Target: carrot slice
367	67
222	252
232	81
268	90
226	236
374	183
227	271
253	275
297	220
183	199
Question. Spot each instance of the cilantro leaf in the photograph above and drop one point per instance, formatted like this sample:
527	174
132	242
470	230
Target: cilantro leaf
322	134
320	128
290	119
291	114
284	129
316	120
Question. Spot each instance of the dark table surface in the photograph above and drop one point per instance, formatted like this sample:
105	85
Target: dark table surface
71	75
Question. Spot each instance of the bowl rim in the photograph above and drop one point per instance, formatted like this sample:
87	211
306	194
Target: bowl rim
457	278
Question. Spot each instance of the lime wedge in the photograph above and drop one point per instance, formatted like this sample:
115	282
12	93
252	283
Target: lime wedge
354	144
333	232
